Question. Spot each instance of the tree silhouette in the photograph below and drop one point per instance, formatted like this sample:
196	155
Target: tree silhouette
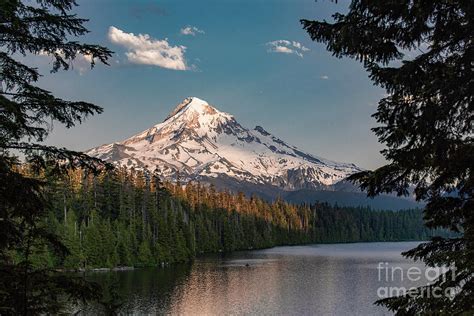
27	282
421	52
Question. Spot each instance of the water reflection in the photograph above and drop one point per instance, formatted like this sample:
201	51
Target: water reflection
326	279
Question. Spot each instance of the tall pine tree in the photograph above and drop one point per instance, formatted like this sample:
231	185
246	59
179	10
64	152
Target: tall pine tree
26	111
426	123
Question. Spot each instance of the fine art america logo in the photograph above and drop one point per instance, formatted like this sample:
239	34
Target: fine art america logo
421	281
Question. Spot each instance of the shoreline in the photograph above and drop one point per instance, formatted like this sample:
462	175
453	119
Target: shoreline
165	264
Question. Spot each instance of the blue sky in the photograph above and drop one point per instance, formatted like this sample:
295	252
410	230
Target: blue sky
298	92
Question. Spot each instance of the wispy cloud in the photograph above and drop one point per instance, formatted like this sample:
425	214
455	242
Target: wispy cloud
324	77
287	47
191	30
142	49
81	63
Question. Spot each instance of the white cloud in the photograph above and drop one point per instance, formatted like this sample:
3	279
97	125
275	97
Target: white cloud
287	47
142	49
81	63
191	30
324	77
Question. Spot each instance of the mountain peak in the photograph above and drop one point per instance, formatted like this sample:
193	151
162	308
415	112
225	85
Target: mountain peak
193	105
198	142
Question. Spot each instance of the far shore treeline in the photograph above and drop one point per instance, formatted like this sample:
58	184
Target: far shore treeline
130	218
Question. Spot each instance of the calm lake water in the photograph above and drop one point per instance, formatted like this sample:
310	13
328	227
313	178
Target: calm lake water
336	279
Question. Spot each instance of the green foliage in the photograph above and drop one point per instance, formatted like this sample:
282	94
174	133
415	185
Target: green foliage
421	53
173	225
72	241
28	248
144	254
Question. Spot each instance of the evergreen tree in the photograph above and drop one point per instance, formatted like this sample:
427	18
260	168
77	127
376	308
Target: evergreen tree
71	239
177	228
426	122
144	254
26	111
93	248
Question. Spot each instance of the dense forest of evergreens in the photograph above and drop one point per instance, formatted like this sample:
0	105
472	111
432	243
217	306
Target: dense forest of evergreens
131	218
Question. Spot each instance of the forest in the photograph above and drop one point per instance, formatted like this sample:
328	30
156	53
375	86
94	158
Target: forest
131	218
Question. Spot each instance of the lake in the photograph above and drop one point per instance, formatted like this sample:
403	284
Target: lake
333	279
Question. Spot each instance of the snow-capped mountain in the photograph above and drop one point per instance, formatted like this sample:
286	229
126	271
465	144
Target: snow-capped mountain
198	142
